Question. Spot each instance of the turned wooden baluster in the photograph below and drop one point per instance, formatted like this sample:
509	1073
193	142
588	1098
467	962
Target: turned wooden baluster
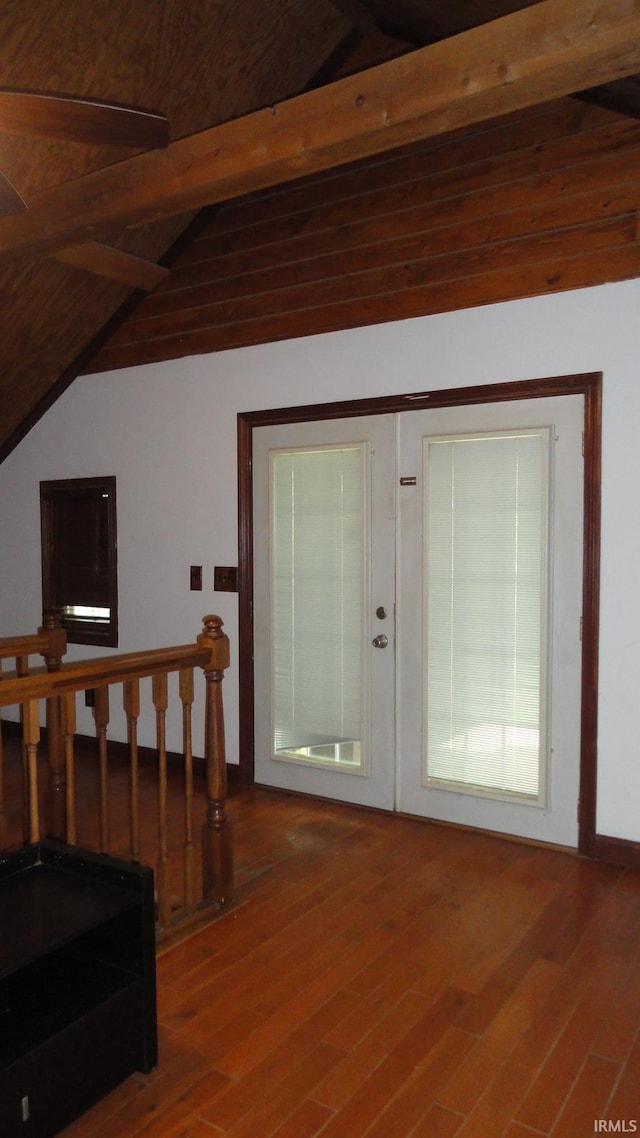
22	669
186	695
31	729
217	849
56	794
131	704
68	728
101	718
160	690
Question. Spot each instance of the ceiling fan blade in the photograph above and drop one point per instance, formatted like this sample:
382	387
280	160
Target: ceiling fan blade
10	200
72	119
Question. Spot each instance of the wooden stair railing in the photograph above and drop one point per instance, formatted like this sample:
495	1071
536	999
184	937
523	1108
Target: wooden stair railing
210	653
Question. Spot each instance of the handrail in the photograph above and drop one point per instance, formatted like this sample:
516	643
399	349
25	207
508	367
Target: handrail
50	642
210	653
98	672
27	645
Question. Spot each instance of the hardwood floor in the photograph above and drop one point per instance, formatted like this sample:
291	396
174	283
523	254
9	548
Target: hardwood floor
384	977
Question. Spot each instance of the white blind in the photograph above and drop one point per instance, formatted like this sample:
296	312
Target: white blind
317	543
485	555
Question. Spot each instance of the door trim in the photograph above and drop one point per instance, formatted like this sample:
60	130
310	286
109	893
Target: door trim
589	384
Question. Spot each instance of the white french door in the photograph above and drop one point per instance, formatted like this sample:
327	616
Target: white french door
490	588
324	566
417	612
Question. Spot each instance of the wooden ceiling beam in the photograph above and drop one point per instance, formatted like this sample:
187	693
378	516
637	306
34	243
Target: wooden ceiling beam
536	54
105	261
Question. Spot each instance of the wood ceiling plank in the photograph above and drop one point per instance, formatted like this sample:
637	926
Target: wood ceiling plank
500	282
105	261
387	279
434	244
538	128
412	189
543	52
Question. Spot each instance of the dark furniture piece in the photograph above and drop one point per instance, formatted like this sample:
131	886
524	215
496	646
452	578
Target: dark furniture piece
77	983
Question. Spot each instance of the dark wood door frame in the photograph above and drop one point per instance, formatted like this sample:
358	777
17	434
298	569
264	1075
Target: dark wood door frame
588	384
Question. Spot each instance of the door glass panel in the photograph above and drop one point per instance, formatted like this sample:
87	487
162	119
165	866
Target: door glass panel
318	542
486	503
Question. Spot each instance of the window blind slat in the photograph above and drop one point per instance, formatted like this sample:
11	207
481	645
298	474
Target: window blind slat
485	552
317	532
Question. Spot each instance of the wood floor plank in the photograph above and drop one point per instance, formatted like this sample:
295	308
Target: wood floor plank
526	950
373	1095
516	1130
359	1064
197	1128
584	904
438	1123
173	966
295	1011
497	1043
236	940
213	1036
263	1115
176	1076
305	1122
624	1102
556	1078
416	1100
498	925
364	1019
272	1059
633	1062
189	1107
474	962
588	1098
419	1041
618	1031
277	981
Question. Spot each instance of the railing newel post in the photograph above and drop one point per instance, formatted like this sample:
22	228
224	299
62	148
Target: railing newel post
217	849
186	690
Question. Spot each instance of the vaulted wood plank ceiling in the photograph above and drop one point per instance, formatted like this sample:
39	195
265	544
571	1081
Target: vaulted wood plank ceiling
477	176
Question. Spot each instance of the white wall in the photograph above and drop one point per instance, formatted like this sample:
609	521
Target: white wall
168	433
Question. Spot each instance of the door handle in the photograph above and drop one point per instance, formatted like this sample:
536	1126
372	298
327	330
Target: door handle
380	641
